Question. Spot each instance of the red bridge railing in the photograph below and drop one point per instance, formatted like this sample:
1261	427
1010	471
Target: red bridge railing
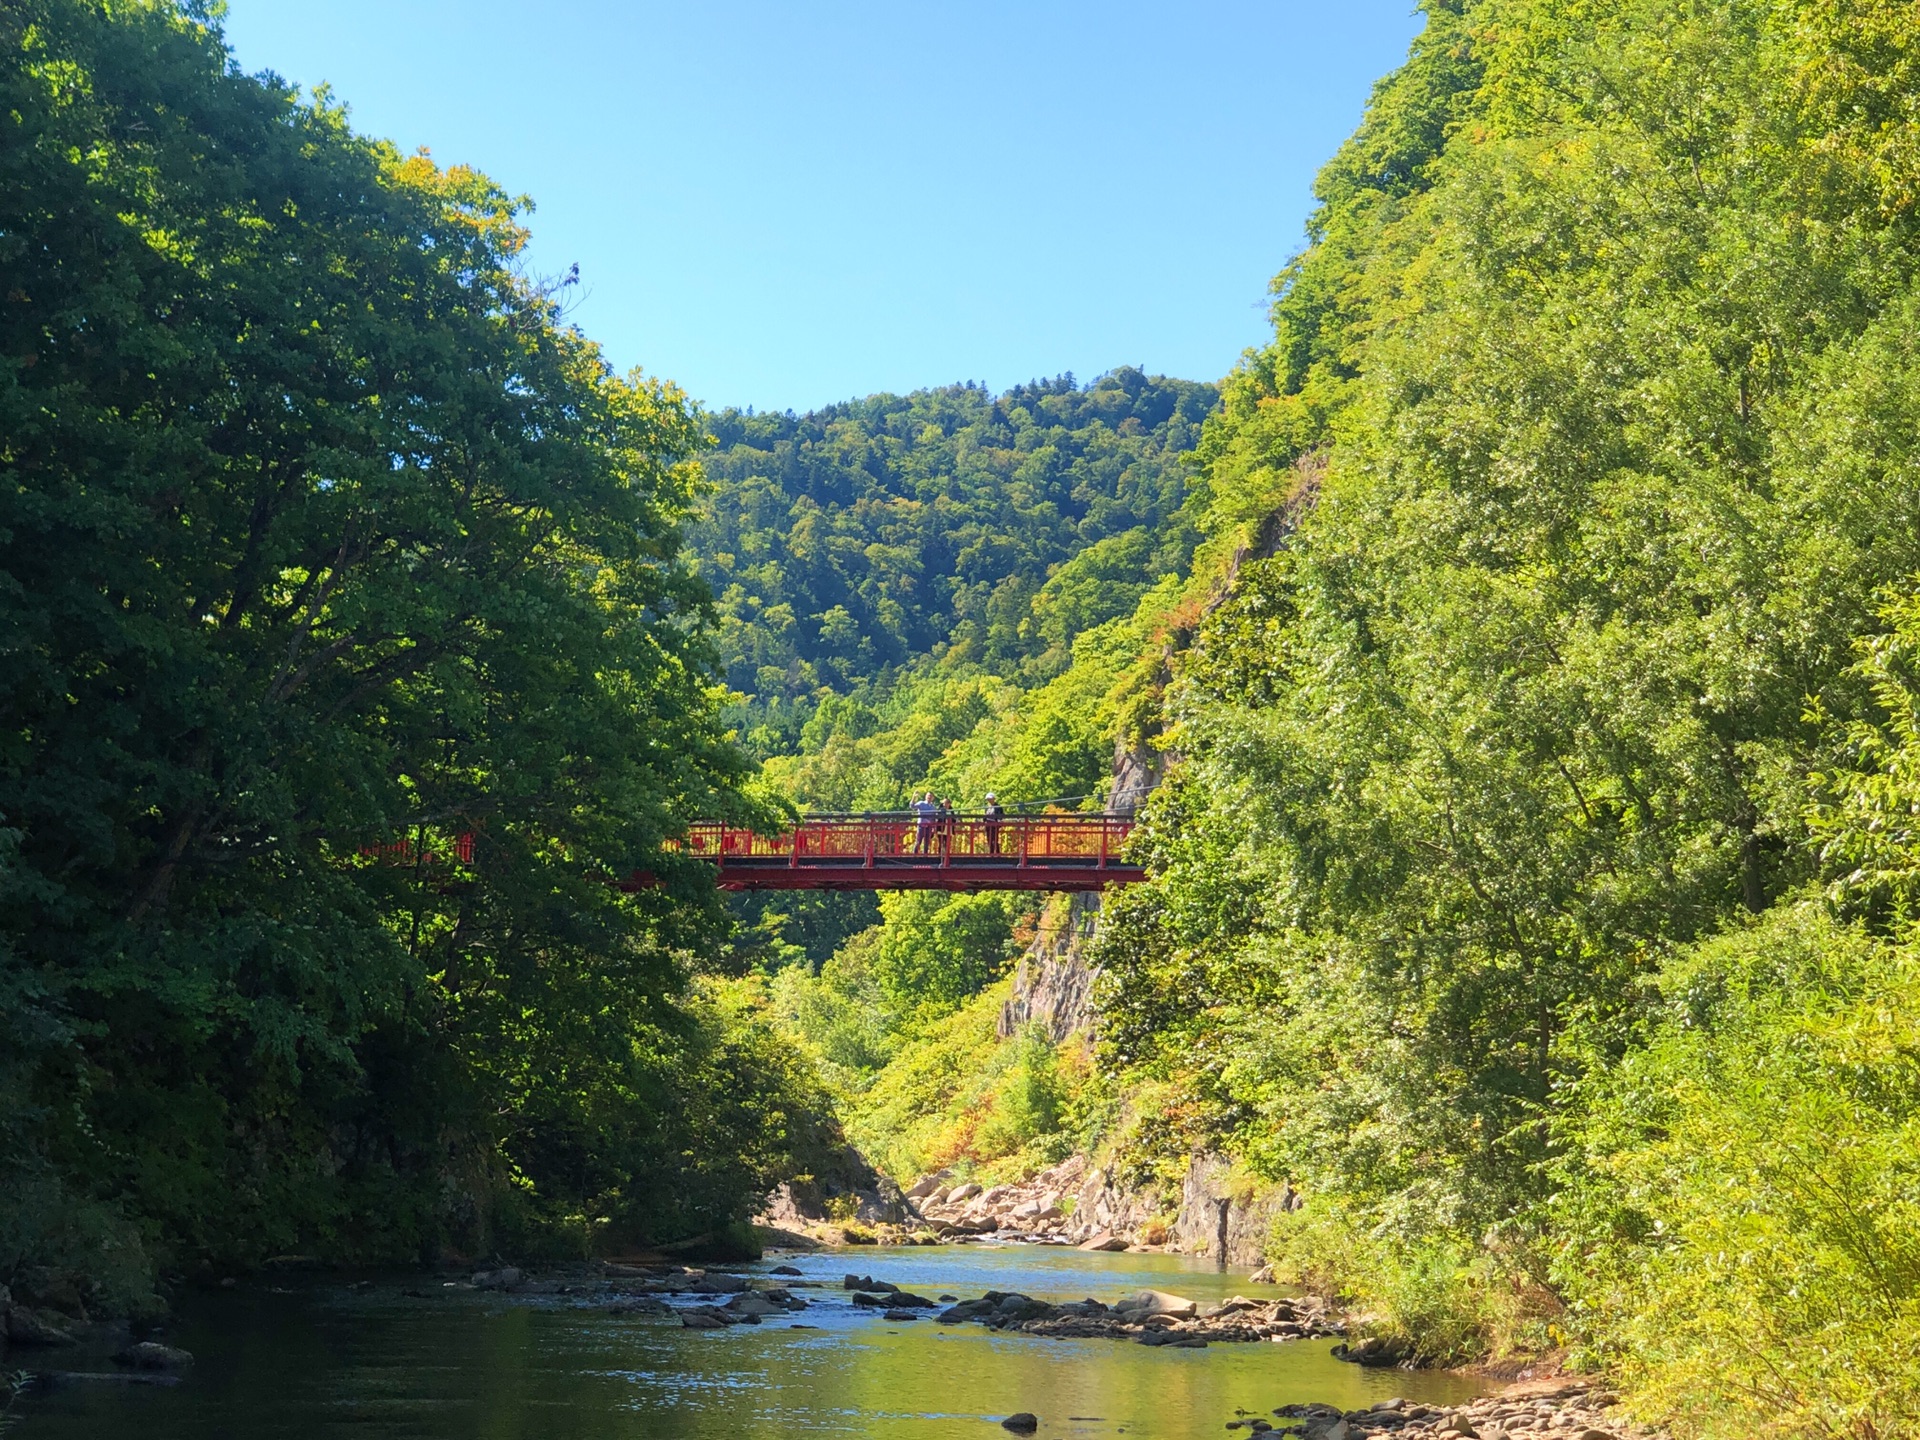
897	851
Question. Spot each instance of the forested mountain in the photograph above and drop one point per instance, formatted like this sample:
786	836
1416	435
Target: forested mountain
852	543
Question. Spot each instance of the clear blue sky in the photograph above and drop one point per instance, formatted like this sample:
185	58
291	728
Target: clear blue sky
787	204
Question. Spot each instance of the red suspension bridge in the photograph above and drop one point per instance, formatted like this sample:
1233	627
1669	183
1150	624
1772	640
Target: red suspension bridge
900	852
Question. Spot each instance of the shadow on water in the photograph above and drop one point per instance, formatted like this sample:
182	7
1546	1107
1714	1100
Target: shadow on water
322	1362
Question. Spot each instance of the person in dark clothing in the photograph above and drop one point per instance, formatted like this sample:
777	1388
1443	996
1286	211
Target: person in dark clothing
995	816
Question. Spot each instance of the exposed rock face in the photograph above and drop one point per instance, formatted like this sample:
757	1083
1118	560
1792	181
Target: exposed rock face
876	1200
1214	1221
1053	984
1075	1204
1136	770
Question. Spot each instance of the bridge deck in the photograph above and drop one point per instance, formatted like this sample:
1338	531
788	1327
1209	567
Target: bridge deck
894	852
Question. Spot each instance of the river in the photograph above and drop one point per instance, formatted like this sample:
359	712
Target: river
316	1359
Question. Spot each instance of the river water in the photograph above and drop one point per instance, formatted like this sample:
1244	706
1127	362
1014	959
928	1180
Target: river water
322	1361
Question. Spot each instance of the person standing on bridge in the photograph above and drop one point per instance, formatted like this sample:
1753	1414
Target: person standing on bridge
994	817
925	814
948	816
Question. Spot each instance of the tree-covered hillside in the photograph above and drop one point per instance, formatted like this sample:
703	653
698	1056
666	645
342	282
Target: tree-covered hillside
1542	770
983	532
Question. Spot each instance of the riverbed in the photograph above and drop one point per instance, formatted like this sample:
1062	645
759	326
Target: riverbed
319	1359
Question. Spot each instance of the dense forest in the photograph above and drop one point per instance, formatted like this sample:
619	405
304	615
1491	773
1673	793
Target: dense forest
1524	643
850	547
1534	888
349	646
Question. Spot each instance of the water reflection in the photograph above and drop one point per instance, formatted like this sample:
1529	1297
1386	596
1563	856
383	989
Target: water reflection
326	1361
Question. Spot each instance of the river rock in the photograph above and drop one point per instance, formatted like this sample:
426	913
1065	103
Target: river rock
961	1193
784	1270
60	1296
69	1379
502	1279
703	1317
640	1305
1157	1302
1023	1422
751	1302
869	1284
1262	1276
152	1355
1104	1240
1374	1351
34	1327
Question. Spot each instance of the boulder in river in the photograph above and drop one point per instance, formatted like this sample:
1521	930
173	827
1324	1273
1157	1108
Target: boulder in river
1104	1240
1157	1302
152	1355
1374	1351
751	1302
1023	1422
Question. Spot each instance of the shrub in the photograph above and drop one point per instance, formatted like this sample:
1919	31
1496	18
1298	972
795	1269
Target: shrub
1744	1222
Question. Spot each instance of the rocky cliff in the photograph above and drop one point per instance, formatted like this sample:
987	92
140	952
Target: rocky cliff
1053	984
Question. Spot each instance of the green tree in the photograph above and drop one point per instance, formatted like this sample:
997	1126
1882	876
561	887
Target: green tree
328	551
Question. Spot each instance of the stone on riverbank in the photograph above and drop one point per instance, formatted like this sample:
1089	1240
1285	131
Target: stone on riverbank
1375	1352
1563	1410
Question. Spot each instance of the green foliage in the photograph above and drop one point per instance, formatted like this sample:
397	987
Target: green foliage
323	543
841	1013
1741	1223
852	542
1580	463
958	1096
935	950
